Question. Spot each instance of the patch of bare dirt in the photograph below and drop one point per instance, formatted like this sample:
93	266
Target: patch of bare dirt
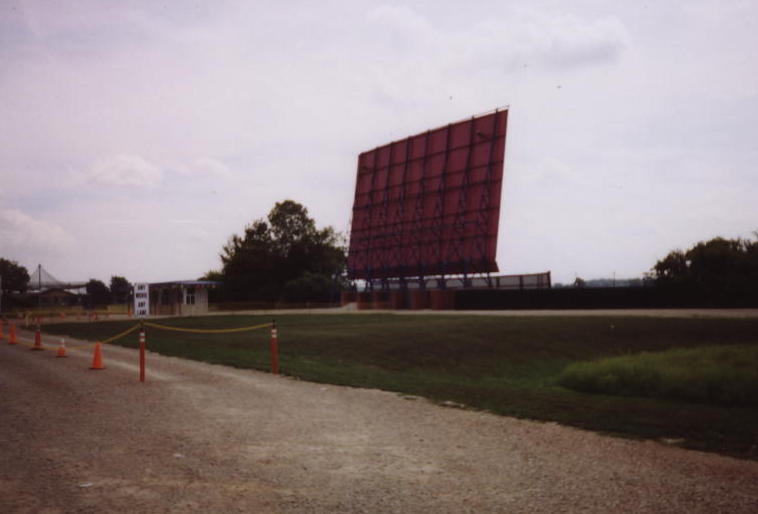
203	438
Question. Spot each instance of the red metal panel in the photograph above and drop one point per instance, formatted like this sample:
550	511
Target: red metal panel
430	204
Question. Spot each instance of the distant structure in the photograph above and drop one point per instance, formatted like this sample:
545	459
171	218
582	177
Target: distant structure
180	298
40	280
51	292
425	217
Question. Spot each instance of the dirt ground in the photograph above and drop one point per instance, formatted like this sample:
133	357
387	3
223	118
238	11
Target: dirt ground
202	438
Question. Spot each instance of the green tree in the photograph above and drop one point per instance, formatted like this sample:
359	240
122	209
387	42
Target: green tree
120	289
719	268
286	247
15	278
213	275
248	264
97	293
672	269
310	287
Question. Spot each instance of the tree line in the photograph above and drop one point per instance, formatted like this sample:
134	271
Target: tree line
282	257
15	283
719	269
286	257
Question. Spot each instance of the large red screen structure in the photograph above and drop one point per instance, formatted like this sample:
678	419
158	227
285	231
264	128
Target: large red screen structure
429	204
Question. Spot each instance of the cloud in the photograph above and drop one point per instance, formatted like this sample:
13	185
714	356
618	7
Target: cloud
401	18
125	170
212	167
228	108
569	41
21	233
552	39
205	166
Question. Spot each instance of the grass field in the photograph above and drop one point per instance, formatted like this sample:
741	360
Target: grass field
720	375
514	366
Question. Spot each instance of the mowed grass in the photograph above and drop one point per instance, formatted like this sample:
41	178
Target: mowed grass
507	365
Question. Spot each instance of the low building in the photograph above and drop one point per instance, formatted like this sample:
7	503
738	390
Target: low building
57	297
180	298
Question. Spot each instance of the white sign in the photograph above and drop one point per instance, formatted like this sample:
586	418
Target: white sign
141	300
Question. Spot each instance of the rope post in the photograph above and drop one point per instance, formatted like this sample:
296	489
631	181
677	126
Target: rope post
274	349
12	334
142	352
37	339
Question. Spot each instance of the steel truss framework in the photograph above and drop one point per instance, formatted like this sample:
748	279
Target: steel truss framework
429	205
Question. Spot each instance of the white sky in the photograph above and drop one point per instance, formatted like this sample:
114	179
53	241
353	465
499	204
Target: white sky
136	137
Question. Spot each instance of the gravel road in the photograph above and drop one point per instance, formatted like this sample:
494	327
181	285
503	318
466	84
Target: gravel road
202	438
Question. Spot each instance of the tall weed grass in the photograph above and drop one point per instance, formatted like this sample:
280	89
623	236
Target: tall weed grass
721	375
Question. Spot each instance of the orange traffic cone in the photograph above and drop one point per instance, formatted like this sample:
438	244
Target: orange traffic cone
97	357
37	341
62	349
12	334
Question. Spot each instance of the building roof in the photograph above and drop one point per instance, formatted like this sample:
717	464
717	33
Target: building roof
187	283
57	290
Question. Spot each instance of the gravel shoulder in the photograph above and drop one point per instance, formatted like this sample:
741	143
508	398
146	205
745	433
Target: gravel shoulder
202	438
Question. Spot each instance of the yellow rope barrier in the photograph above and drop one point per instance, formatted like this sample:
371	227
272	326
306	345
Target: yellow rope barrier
206	330
122	334
83	345
163	327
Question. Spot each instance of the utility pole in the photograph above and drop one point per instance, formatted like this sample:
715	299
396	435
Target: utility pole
39	287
